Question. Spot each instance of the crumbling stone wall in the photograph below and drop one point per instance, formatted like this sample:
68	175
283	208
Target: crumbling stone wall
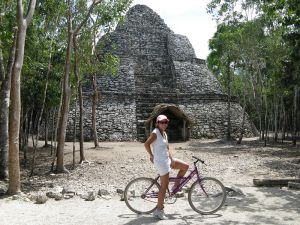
156	66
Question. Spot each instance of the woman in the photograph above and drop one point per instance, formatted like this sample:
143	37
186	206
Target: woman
163	161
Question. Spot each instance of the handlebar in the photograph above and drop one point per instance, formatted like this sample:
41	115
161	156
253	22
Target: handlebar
198	160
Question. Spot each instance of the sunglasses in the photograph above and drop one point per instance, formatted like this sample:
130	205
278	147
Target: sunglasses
164	122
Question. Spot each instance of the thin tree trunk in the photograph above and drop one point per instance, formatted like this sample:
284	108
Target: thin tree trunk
243	121
46	130
82	156
79	85
53	130
265	123
14	186
228	136
24	138
74	133
282	119
295	115
60	167
40	117
66	88
94	122
56	130
4	101
276	120
5	79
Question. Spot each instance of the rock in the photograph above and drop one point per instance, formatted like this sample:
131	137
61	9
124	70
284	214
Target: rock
234	191
106	197
120	191
122	198
41	199
2	191
19	196
68	190
58	189
102	192
51	194
90	196
58	197
68	196
16	197
294	185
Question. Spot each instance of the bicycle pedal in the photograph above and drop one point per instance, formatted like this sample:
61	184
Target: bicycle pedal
170	199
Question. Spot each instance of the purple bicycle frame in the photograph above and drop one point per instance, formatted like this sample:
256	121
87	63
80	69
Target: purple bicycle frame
183	181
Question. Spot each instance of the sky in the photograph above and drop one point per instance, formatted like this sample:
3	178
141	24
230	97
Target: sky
187	18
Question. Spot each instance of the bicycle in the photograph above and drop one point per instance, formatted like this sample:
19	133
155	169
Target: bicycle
205	196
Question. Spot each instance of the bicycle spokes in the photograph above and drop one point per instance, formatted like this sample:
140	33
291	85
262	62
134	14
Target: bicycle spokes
141	195
208	196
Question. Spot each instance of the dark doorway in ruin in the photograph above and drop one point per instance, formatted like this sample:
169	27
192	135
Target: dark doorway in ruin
179	125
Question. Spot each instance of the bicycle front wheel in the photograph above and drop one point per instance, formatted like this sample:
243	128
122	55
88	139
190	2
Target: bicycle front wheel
141	195
207	196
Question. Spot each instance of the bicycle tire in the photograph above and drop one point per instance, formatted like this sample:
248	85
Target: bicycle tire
135	198
211	200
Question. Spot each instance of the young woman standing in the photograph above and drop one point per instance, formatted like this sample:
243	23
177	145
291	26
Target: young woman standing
163	161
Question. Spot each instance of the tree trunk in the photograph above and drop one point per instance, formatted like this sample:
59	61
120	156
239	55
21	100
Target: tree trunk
266	124
283	126
4	102
14	114
14	186
276	106
66	87
25	137
46	130
5	79
60	168
56	130
53	130
243	121
41	113
228	136
295	115
94	122
79	86
74	133
40	117
82	156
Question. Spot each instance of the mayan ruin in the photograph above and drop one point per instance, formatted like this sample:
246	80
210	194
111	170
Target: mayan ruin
159	73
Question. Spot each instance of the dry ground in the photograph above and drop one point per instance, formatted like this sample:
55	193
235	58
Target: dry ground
115	163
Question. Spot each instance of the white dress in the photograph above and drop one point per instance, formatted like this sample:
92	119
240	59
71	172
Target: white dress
161	160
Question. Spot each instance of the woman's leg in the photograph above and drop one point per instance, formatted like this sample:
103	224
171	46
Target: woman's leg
182	167
164	182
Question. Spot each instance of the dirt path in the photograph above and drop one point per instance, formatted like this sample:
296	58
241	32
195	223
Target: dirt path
258	206
114	164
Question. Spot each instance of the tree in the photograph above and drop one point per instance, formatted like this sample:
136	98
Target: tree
7	55
15	98
66	85
266	37
222	61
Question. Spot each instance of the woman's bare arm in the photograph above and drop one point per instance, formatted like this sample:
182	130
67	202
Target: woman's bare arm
147	144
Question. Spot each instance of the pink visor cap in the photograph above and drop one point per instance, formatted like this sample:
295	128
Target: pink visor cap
162	118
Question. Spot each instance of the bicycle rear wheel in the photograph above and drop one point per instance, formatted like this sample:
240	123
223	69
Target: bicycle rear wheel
208	196
141	195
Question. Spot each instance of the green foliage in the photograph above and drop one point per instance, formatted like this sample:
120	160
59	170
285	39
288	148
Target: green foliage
7	26
46	42
104	18
263	50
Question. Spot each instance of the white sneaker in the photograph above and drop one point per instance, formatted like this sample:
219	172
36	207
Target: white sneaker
160	214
